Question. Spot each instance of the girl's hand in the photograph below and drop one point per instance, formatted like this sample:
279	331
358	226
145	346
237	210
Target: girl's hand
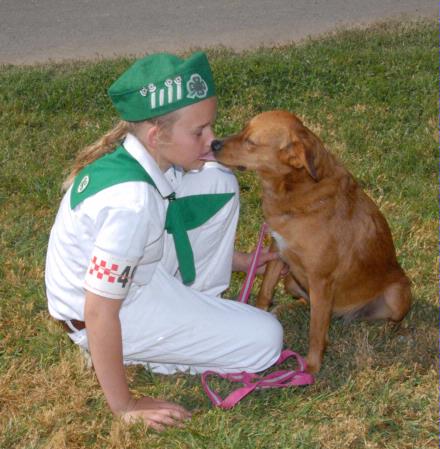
155	413
241	261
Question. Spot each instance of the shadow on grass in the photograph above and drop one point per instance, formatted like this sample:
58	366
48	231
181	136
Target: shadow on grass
358	345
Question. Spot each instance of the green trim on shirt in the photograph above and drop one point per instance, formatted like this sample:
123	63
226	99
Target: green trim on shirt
183	213
111	169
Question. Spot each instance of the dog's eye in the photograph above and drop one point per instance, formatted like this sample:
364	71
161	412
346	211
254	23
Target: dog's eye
250	142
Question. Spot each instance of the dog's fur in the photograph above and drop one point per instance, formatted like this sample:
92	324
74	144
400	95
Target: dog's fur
336	242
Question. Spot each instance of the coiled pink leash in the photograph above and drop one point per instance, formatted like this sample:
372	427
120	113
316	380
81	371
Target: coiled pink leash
251	381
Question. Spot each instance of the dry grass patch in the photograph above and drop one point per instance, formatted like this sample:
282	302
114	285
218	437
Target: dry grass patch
371	96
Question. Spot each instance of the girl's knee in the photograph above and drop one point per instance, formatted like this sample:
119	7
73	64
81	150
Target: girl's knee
271	335
267	343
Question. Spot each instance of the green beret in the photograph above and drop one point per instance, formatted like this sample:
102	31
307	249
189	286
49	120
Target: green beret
161	83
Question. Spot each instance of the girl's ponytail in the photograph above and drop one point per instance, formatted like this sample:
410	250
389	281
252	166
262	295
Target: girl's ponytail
106	144
109	141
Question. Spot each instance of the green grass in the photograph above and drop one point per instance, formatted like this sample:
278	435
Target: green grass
371	96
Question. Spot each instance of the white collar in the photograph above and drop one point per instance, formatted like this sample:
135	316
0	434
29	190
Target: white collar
141	154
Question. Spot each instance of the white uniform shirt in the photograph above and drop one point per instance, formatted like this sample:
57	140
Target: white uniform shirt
119	231
164	324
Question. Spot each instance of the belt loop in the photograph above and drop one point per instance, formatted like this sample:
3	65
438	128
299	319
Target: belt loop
71	326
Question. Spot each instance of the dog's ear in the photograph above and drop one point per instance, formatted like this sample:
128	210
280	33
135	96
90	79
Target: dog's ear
299	155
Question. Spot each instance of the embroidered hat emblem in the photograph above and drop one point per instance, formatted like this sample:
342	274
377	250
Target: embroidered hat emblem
170	93
83	184
196	87
161	83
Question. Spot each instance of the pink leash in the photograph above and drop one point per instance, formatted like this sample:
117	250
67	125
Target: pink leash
250	381
252	269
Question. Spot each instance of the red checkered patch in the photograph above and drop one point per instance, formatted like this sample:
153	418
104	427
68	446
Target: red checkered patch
109	276
100	269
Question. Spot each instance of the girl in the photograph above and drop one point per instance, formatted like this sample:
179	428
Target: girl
142	245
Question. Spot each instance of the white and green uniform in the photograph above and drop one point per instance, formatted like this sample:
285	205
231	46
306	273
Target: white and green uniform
113	243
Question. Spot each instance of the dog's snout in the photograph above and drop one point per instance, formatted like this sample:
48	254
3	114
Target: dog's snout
216	145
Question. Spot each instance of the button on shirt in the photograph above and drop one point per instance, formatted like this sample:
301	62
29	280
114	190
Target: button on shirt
110	240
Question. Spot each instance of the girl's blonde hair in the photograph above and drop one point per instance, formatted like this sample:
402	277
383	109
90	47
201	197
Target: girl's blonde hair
110	140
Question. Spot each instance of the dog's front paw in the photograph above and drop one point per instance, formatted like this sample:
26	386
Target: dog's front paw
313	363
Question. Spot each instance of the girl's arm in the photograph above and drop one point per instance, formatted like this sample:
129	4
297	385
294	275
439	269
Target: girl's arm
241	261
105	344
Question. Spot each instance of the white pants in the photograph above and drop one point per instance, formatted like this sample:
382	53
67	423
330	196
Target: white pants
171	327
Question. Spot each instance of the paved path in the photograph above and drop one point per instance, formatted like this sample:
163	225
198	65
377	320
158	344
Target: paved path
38	30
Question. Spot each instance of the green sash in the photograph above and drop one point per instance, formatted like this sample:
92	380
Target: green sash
183	214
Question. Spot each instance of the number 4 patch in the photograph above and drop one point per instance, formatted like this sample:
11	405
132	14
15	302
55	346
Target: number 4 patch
108	275
126	275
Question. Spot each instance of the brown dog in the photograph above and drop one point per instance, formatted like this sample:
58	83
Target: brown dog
336	242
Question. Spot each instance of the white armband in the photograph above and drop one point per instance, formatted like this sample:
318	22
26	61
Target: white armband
108	275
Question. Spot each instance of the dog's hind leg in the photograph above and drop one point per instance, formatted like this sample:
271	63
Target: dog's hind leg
398	299
270	280
294	288
393	304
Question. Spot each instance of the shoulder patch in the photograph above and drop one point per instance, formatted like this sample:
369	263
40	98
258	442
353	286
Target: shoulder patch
83	184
